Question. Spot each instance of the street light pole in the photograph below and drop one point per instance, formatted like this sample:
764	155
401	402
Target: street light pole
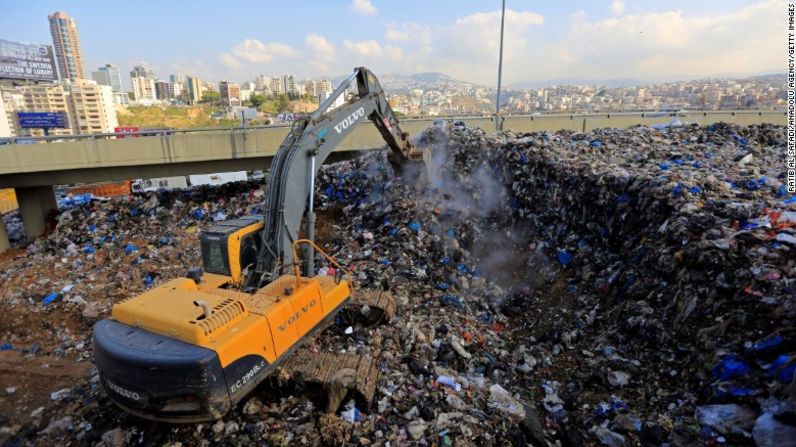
498	120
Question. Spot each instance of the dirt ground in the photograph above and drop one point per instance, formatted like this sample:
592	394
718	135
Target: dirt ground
26	381
35	357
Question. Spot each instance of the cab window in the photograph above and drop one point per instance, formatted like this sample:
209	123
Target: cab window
214	256
249	249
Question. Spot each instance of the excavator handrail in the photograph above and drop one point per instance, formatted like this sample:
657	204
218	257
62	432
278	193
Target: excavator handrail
297	270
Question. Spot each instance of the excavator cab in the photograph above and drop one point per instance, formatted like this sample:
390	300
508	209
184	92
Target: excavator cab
232	247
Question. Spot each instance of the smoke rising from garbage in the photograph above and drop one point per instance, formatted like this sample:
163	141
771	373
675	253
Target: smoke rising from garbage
474	193
464	187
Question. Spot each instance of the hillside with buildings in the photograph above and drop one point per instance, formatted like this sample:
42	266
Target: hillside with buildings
171	117
102	103
437	94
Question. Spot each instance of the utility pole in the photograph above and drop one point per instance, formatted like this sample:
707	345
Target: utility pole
498	120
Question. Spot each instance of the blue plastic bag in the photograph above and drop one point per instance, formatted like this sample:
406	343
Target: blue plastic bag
730	367
564	258
50	298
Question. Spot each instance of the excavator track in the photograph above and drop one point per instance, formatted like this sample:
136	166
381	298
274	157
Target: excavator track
344	376
369	308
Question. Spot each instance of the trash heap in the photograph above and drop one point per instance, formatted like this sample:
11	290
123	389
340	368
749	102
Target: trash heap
14	227
681	247
660	261
617	287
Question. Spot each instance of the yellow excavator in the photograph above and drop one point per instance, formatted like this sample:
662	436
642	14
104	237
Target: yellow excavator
190	349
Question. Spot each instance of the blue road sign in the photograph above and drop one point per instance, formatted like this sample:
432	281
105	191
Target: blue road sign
41	120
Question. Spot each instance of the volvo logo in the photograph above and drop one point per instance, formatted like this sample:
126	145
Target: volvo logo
350	119
123	391
297	315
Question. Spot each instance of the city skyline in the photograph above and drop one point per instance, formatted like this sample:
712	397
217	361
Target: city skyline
543	42
90	102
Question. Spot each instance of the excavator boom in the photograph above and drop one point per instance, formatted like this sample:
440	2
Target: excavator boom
309	143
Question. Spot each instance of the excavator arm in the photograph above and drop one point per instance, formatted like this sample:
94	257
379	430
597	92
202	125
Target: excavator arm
306	147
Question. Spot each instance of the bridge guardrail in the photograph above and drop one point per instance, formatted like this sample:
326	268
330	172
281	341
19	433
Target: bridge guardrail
532	117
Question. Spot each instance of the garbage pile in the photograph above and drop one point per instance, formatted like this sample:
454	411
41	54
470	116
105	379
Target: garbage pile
617	287
675	278
15	230
681	244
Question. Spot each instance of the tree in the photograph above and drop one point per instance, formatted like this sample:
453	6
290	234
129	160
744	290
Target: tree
257	100
210	97
282	102
309	97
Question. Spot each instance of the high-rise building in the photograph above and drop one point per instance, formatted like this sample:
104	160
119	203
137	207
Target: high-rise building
14	101
262	83
5	125
230	93
67	46
91	107
339	101
47	98
143	89
176	91
108	74
143	78
247	90
121	98
324	86
101	77
315	88
277	88
162	90
640	94
289	85
245	94
178	77
193	90
143	70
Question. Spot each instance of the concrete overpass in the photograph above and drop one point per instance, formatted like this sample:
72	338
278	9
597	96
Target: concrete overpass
32	169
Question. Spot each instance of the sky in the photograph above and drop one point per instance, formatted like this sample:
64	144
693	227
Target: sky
545	40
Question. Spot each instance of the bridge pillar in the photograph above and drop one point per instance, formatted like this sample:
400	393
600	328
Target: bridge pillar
4	244
35	204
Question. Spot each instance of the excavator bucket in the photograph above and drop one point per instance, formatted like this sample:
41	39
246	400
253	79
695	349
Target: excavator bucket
341	376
